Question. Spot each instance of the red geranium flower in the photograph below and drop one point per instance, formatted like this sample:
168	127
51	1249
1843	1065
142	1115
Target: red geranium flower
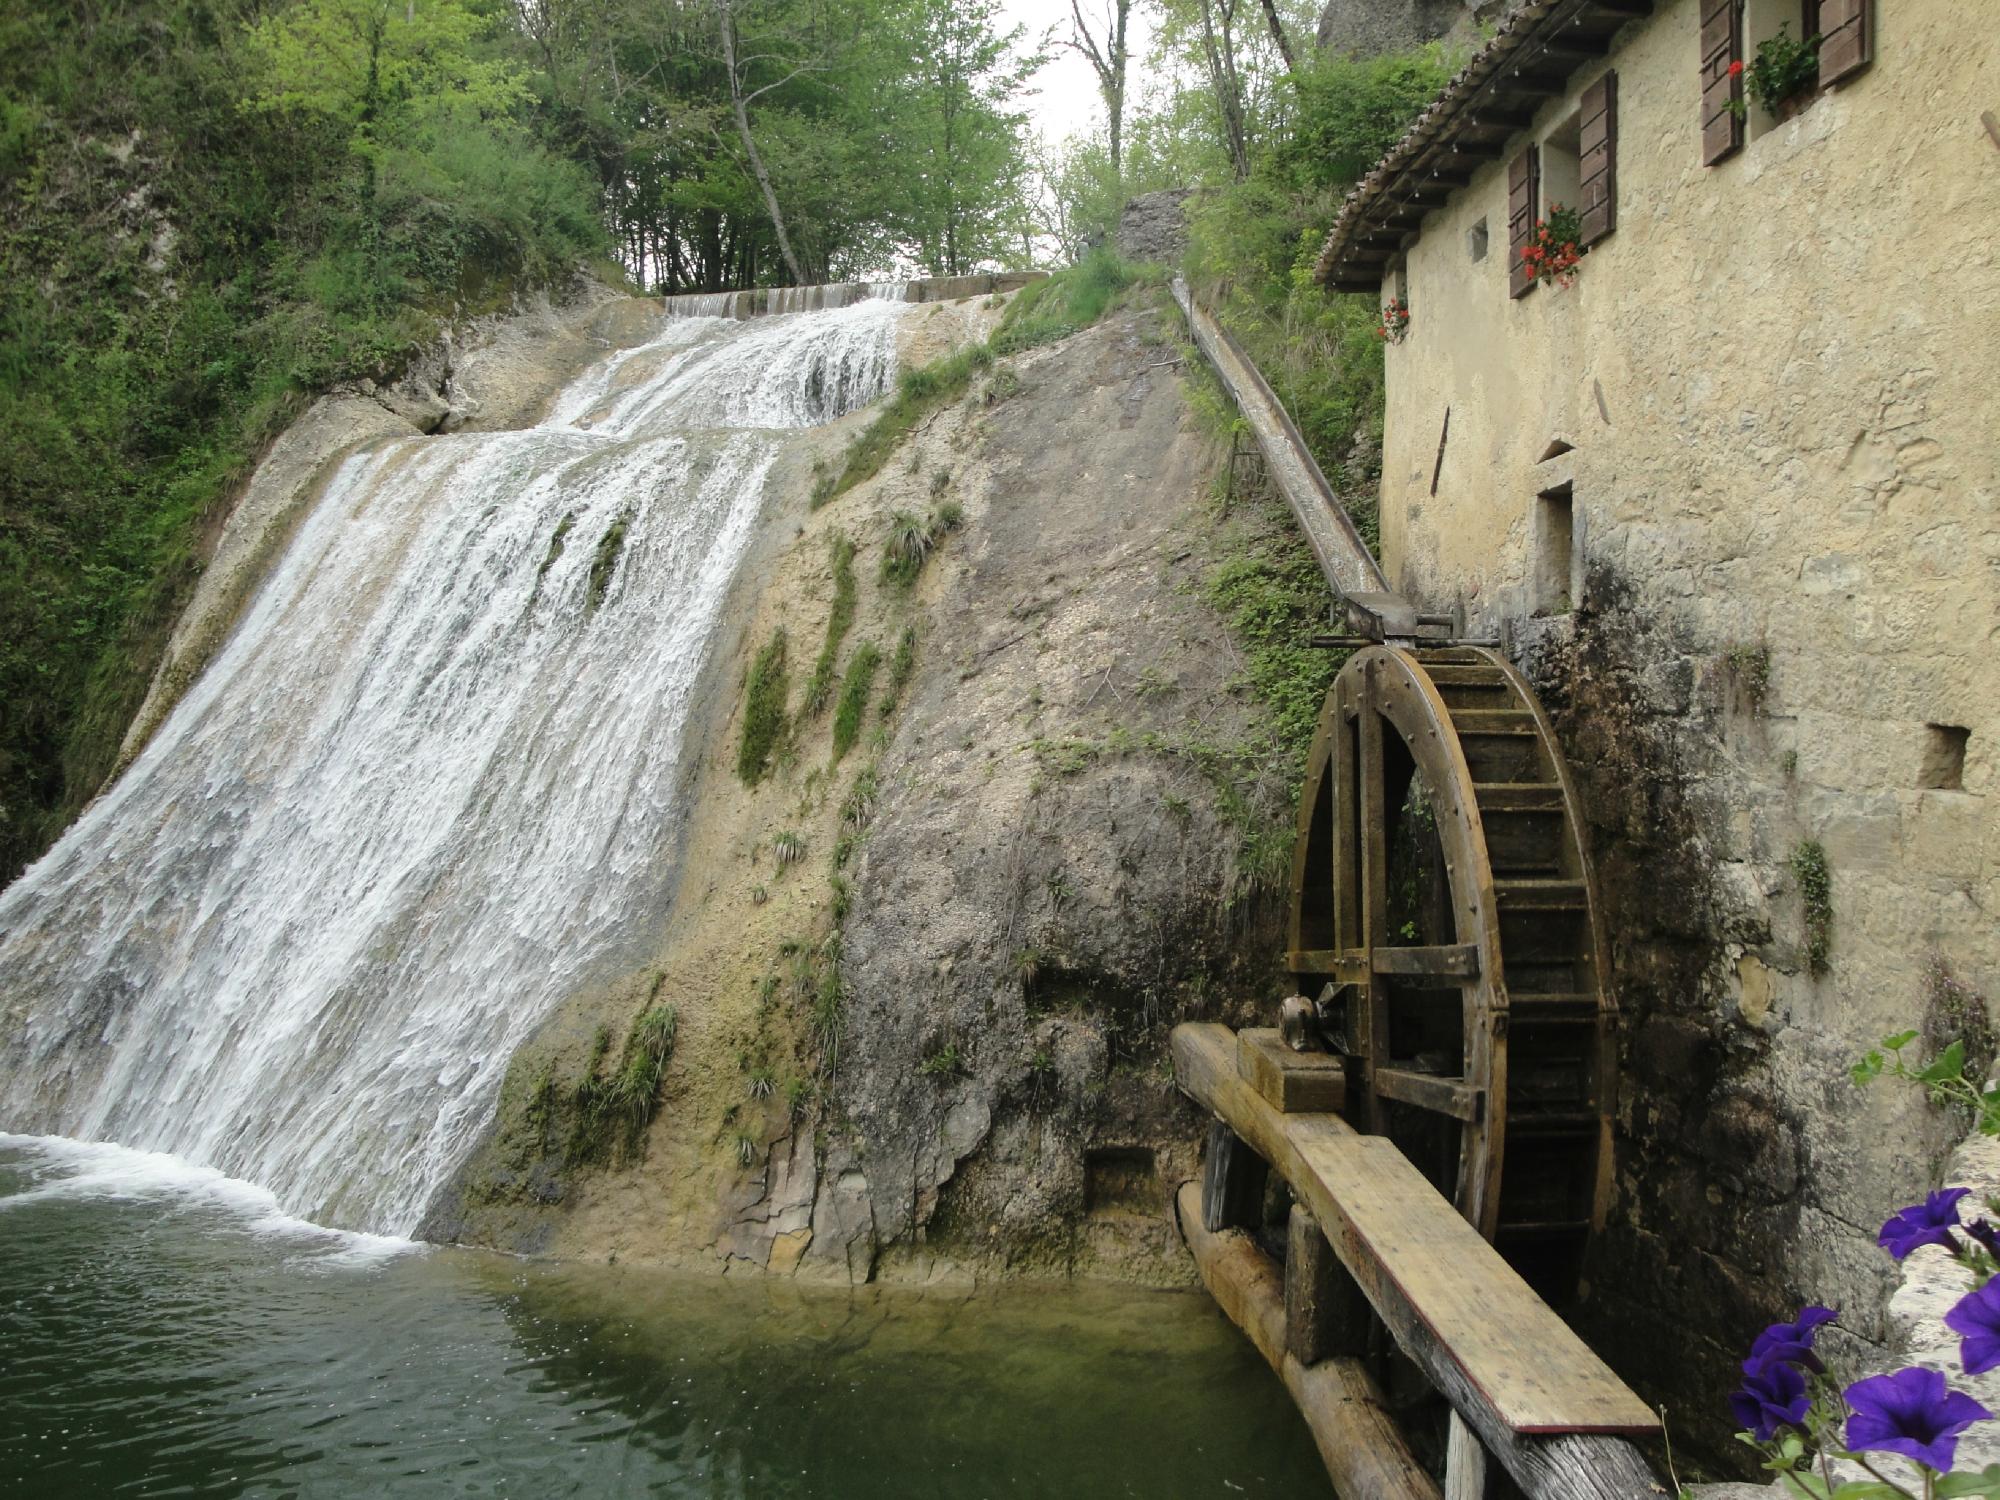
1736	69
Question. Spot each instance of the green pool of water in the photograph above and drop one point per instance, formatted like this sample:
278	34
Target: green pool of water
167	1333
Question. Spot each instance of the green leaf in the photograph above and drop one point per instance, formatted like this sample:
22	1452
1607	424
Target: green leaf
1867	1489
1946	1066
1868	1069
1985	1483
1899	1040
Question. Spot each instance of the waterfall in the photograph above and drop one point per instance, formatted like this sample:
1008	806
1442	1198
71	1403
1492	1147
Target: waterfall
427	788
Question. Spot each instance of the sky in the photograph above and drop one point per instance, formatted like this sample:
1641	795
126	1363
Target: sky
1065	99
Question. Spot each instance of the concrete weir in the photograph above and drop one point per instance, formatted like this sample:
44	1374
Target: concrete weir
765	301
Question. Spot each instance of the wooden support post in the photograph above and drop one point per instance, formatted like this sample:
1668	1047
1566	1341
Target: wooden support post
1465	1472
1364	1449
1232	1182
1326	1317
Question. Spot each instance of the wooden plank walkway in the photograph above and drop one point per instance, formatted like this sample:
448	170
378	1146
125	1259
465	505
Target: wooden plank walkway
1533	1392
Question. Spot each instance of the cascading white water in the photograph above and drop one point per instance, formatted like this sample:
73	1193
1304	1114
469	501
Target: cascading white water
428	787
784	299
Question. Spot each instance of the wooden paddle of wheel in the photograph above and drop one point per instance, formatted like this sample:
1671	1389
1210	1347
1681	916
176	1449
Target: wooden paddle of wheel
1444	924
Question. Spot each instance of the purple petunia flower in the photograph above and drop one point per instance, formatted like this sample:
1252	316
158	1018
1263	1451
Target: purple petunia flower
1793	1342
1927	1223
1976	1319
1912	1413
1773	1396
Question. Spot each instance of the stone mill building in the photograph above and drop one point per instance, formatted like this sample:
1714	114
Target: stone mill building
1732	499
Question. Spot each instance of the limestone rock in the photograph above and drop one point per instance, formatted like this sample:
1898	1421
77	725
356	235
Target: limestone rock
1153	226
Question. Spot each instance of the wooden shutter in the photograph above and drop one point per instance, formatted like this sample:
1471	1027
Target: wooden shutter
1845	43
1599	160
1524	191
1721	45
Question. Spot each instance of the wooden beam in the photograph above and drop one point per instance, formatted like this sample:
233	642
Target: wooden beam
1441	1096
1535	1394
1364	1449
1452	961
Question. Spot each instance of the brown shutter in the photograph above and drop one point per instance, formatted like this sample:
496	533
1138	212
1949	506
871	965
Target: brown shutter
1524	190
1845	44
1721	45
1599	160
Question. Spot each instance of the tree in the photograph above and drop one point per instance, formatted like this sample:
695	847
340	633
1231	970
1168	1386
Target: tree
382	69
1107	59
736	66
961	138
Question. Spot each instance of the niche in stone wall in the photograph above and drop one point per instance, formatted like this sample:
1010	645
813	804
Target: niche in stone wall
1943	766
1555	550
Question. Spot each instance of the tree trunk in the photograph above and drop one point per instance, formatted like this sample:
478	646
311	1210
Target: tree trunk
727	18
1221	54
1278	35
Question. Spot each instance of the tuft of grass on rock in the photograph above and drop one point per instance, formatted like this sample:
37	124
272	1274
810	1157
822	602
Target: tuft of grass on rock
855	689
839	619
764	719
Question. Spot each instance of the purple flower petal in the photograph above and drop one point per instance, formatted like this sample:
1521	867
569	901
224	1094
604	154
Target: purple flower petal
1911	1413
1793	1342
1976	1319
1774	1395
1927	1223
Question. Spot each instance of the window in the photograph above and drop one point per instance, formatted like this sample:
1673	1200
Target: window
1761	21
1554	539
1475	241
1562	165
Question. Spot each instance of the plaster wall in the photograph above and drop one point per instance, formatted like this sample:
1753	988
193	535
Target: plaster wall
1781	383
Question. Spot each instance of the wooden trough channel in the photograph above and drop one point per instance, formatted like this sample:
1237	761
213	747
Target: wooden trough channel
1370	1239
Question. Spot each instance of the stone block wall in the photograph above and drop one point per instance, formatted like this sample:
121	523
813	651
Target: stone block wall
1772	411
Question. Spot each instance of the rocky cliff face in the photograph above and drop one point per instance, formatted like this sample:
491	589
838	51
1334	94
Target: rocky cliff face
1368	28
923	987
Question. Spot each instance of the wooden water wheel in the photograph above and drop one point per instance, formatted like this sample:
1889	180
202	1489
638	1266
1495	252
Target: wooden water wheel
1445	928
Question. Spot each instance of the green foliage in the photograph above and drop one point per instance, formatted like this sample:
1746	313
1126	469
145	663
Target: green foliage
1269	588
605	563
1253	243
1809	868
855	689
1068	302
1785	67
765	724
839	619
1955	1075
189	248
1346	113
901	666
942	1063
